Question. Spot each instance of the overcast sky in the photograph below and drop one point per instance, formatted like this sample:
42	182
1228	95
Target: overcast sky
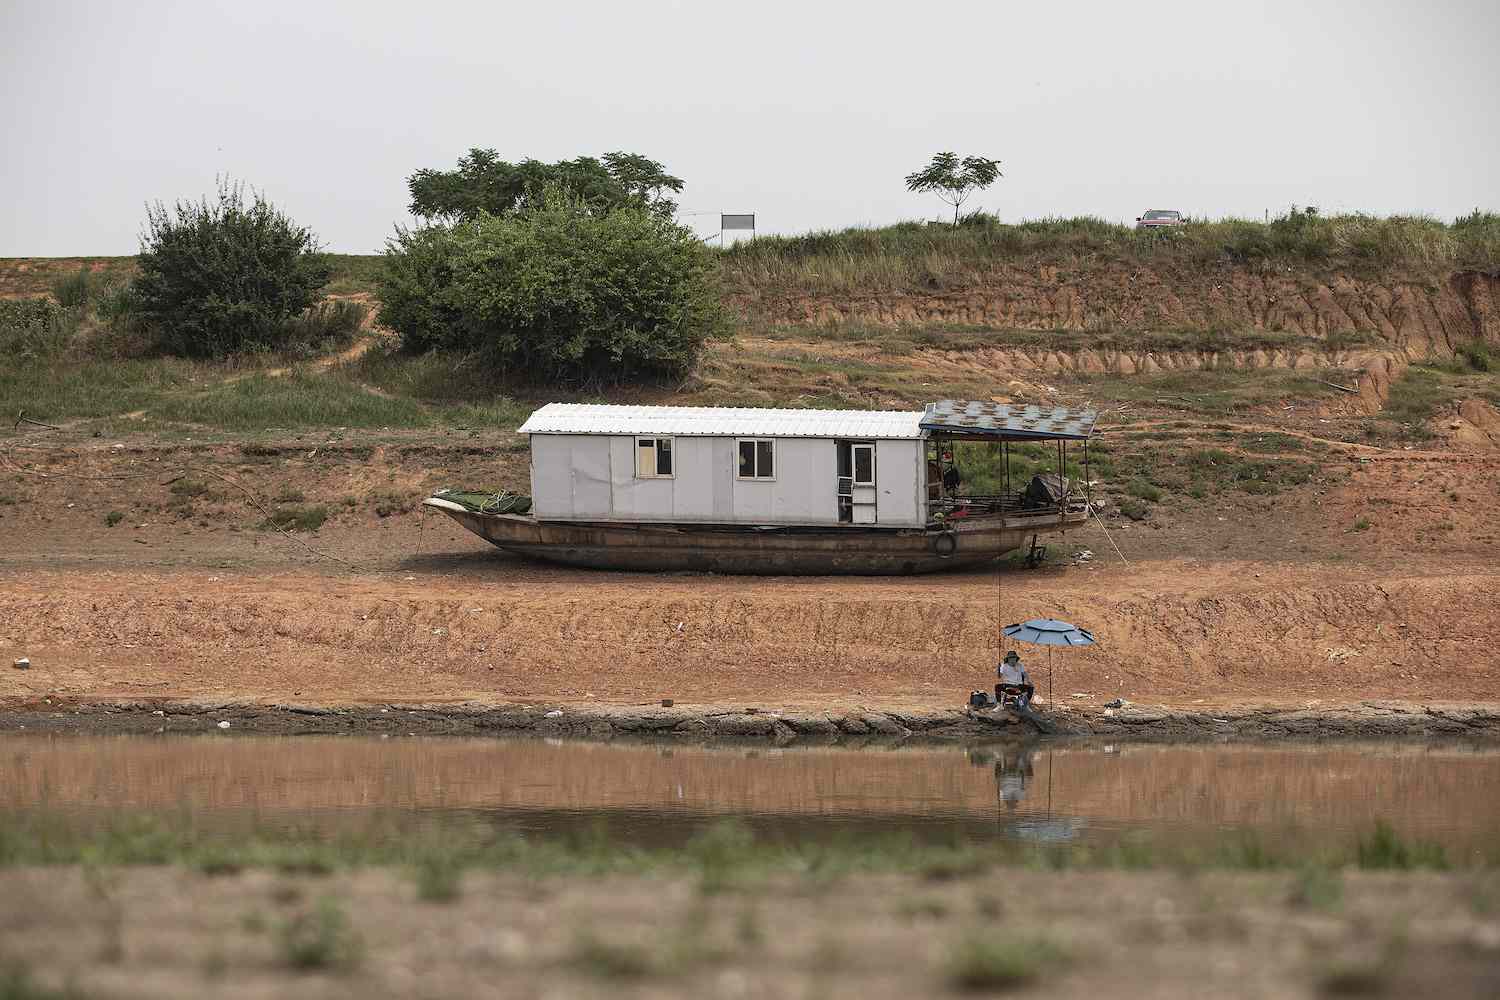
808	114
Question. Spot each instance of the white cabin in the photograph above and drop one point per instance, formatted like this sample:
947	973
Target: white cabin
728	465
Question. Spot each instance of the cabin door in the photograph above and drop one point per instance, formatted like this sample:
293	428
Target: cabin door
856	482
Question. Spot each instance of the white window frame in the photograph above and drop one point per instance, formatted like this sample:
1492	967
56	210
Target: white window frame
854	464
655	440
775	461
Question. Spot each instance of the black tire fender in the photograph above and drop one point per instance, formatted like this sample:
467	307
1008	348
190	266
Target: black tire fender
945	544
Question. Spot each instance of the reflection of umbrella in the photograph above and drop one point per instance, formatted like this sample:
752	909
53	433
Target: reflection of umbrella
1049	632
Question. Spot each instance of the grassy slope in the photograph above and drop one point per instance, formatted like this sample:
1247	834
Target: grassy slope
848	365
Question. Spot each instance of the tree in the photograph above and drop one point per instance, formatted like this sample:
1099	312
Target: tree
222	276
556	291
485	183
953	180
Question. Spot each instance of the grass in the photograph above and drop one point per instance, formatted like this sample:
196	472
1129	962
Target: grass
915	256
296	400
724	856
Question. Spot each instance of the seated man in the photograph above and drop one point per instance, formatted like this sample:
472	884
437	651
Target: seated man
1013	678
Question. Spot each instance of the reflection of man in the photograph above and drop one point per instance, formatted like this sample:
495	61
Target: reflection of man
1012	768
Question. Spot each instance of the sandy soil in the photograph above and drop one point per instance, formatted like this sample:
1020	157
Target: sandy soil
147	932
1239	600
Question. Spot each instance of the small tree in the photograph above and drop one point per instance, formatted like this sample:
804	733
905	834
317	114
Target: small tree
953	180
485	183
221	276
556	291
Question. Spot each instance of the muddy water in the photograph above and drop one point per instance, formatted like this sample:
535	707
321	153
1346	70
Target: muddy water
1312	795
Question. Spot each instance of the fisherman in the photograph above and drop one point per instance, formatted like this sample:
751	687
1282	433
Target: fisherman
1013	676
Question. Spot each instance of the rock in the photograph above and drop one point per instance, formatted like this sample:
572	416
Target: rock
23	664
224	725
556	713
1117	703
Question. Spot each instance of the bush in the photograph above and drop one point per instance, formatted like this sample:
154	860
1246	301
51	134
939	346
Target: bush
218	277
33	328
555	291
73	290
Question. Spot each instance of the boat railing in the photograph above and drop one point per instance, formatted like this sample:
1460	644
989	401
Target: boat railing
1016	504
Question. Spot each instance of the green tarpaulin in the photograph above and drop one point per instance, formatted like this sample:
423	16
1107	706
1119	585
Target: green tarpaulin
487	501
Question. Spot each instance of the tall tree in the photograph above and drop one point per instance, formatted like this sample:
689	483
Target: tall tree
483	182
953	180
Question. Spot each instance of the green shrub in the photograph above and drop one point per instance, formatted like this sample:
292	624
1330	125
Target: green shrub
1476	355
997	960
1384	849
1144	490
439	877
223	276
321	938
555	291
1135	510
32	329
296	518
113	518
73	290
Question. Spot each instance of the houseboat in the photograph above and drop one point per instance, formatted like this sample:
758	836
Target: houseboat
779	491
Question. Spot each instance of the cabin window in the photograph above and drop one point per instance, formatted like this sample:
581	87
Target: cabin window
757	458
864	464
653	458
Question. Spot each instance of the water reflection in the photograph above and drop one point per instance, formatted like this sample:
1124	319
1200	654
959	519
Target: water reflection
660	795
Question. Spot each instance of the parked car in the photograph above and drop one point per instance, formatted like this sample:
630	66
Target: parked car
1159	217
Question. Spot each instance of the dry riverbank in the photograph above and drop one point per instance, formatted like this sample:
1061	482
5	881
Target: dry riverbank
174	932
780	725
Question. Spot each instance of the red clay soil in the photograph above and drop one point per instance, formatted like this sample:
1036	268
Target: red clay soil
1381	583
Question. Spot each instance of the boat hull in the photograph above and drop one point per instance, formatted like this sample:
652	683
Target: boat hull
758	550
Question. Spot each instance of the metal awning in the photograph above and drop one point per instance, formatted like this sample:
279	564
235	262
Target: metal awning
1003	421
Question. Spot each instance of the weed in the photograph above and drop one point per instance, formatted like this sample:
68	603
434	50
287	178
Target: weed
189	488
1354	979
320	938
1362	524
16	983
1385	849
389	503
296	518
610	960
994	962
1135	510
113	518
911	909
748	929
73	290
1317	887
290	494
439	877
1143	490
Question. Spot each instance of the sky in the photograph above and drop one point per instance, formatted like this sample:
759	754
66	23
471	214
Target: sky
808	114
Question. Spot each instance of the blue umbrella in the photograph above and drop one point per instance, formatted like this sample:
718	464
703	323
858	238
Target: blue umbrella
1049	632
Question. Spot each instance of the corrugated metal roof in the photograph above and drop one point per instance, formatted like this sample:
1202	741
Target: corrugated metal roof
957	416
723	421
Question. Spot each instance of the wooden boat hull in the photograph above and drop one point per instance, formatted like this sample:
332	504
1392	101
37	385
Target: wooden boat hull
760	550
